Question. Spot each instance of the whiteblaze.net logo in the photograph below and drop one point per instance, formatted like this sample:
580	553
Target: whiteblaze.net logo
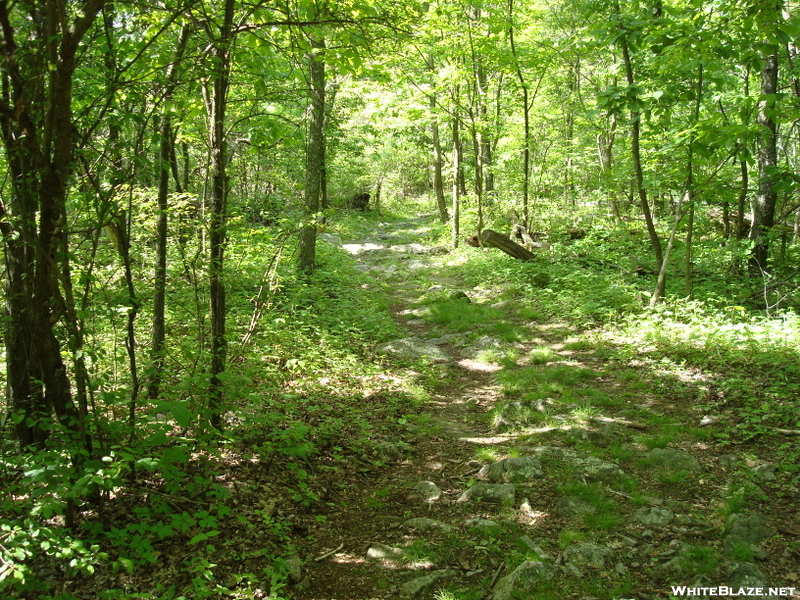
685	590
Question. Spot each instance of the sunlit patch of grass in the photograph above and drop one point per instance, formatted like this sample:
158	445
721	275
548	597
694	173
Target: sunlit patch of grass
659	441
541	355
606	514
567	537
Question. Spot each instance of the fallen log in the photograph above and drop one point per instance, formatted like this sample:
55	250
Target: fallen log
490	237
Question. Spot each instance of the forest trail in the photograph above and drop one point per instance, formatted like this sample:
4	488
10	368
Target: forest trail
583	504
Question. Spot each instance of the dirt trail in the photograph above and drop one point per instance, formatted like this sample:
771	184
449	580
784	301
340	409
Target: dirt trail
595	530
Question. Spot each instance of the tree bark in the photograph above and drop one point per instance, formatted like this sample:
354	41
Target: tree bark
218	214
764	204
315	157
636	157
166	164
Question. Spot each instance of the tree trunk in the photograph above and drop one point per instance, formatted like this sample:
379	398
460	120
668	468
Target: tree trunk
438	180
165	165
636	156
764	204
218	214
39	136
315	157
455	226
526	148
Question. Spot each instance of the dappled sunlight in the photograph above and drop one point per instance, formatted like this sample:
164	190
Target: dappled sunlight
474	365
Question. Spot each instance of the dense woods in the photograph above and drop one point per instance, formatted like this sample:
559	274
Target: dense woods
167	172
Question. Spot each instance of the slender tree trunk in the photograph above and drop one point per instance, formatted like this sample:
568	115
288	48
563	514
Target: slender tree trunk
765	201
636	157
218	214
315	156
438	179
166	164
456	190
741	204
526	148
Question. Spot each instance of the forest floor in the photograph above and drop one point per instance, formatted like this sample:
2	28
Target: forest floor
544	464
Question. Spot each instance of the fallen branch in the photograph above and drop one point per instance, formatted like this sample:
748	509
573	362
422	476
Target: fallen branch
786	431
331	553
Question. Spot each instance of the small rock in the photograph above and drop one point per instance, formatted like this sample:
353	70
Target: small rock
458	295
674	459
429	491
420	584
743	529
744	575
589	555
513	470
571	507
423	524
481	524
294	569
765	471
589	467
503	493
654	517
521	580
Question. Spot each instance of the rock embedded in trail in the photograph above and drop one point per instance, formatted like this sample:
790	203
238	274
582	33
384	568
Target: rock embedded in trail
589	555
489	493
674	459
573	508
513	470
587	466
415	347
384	554
523	579
424	524
654	517
428	491
746	530
420	584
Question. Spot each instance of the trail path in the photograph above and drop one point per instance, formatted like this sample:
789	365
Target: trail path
577	507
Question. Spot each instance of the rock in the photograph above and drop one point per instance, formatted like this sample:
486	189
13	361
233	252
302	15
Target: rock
429	491
294	569
458	295
589	467
503	493
389	452
654	517
574	508
589	555
420	584
415	347
728	460
522	580
765	471
744	575
481	524
384	554
513	470
749	530
601	438
673	458
424	524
